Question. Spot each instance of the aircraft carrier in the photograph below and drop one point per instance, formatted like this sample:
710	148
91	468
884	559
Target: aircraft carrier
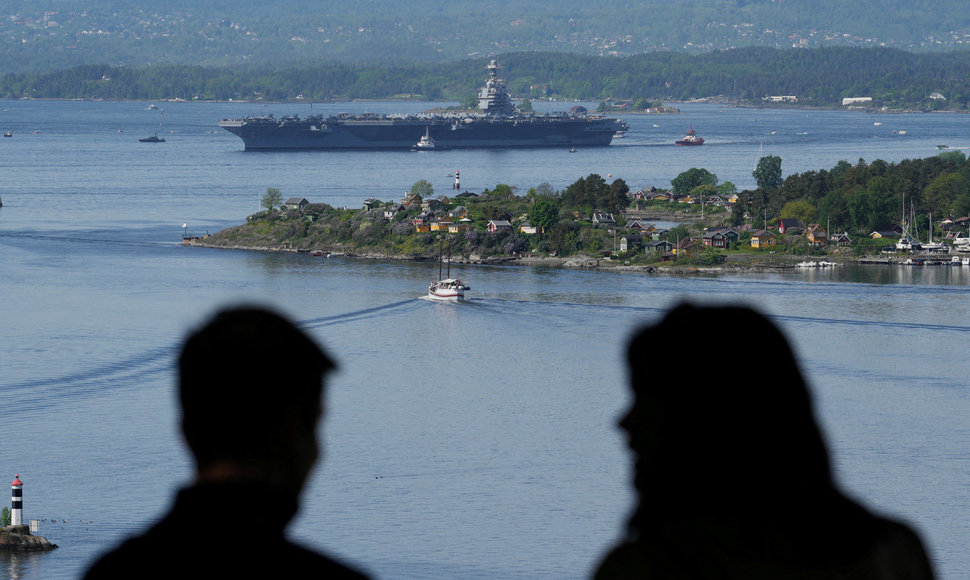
496	124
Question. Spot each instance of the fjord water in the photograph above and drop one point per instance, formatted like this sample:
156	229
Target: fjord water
461	441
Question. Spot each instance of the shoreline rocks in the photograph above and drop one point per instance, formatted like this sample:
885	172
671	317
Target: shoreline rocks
19	539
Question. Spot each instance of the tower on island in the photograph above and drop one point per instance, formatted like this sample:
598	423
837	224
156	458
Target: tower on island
16	502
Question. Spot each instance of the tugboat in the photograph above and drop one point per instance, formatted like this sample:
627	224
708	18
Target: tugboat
426	142
152	139
691	138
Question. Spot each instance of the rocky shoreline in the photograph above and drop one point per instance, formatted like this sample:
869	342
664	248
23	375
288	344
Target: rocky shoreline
734	263
19	539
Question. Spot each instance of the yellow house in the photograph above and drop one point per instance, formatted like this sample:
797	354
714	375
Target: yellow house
763	239
422	228
459	228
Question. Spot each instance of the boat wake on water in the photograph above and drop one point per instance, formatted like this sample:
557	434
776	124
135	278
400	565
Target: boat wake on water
93	380
352	316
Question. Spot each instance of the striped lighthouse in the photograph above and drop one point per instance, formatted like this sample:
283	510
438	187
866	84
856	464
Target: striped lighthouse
457	181
16	502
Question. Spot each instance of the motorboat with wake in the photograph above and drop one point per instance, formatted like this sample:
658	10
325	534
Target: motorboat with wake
447	289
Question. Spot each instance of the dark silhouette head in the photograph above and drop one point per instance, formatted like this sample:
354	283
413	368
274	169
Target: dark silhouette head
732	474
251	386
721	414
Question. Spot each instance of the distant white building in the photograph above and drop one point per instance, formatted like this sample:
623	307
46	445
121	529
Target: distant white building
781	99
855	101
937	97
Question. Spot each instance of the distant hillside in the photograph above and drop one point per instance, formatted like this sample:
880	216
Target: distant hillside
819	77
39	35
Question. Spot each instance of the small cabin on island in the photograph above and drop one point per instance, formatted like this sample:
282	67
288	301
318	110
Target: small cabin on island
603	219
763	239
715	240
296	203
662	246
818	238
393	210
498	226
840	239
631	242
790	226
460	227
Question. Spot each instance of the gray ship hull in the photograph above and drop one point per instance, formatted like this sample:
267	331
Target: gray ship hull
403	133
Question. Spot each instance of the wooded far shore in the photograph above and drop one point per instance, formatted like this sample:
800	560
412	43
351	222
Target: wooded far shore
883	78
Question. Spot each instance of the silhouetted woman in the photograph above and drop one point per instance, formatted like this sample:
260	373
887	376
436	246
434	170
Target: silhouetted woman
732	474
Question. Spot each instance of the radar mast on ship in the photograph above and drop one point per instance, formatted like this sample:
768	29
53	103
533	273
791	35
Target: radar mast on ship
494	98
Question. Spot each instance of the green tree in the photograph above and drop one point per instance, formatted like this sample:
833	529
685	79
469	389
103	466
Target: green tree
727	189
833	211
586	193
525	106
4	517
943	192
618	197
768	172
544	189
688	180
423	188
271	199
799	209
544	213
677	233
737	214
871	208
503	191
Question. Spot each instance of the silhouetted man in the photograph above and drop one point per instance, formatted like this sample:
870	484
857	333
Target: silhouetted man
731	470
250	387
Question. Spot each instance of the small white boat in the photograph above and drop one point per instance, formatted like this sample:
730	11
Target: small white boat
447	289
426	142
819	264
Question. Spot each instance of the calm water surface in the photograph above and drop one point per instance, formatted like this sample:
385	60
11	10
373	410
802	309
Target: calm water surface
473	440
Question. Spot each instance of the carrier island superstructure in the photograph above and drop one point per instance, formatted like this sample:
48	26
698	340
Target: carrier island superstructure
496	124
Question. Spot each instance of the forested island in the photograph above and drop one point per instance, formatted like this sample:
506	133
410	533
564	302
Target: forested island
847	212
887	78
